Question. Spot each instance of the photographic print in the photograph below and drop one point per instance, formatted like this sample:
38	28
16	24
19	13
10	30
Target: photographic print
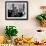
16	10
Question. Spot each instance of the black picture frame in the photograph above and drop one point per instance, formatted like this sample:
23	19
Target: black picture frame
16	18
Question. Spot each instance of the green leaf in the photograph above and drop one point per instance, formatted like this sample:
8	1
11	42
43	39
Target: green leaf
10	31
45	16
40	18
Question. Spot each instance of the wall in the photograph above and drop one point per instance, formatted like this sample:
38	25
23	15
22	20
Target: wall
25	27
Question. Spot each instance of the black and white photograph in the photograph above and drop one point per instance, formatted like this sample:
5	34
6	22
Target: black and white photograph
16	10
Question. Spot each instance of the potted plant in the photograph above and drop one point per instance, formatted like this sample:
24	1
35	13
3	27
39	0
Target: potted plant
42	17
10	31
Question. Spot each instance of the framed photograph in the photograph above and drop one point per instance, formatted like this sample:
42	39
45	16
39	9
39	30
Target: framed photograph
16	10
